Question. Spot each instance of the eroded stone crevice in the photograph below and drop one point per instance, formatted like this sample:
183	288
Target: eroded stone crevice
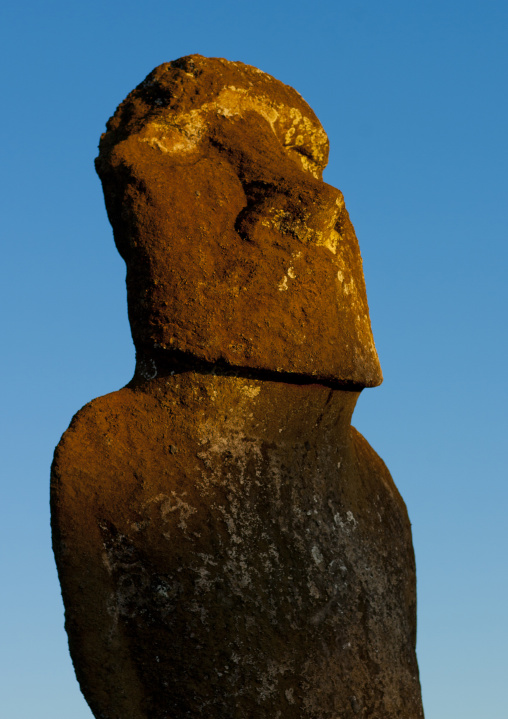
152	363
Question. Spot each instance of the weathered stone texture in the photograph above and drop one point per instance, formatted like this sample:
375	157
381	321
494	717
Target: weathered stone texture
236	249
228	545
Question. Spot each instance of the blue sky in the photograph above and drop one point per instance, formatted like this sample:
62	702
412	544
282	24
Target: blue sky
413	98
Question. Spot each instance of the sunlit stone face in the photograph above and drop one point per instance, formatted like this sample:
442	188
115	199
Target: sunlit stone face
236	250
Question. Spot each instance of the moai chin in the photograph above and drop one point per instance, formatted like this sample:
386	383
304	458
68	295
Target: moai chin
228	545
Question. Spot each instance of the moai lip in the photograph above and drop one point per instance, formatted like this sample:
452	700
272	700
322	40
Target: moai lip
228	545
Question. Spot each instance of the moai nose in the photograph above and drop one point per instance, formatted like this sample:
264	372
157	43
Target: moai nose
309	211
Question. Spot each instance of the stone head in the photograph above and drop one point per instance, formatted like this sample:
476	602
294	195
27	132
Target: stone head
236	250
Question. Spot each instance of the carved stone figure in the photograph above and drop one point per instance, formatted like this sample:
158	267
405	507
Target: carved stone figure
228	545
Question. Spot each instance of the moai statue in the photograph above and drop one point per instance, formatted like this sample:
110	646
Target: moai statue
228	546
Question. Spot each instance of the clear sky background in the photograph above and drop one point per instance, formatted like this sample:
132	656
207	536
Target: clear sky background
413	95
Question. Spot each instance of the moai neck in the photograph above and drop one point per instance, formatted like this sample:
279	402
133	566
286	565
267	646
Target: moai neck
266	405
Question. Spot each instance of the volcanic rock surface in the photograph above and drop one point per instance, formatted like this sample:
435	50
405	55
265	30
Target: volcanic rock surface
228	545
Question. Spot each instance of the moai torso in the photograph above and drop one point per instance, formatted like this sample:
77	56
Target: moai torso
227	544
